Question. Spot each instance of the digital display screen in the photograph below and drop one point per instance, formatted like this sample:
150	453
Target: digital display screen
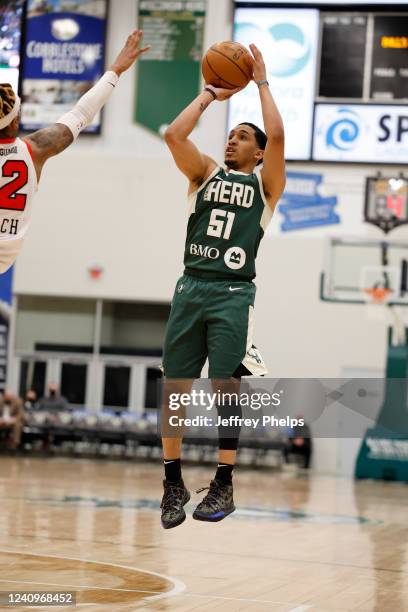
339	77
288	42
389	67
11	16
343	52
360	133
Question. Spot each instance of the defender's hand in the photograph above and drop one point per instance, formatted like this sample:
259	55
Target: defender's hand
259	64
129	53
223	94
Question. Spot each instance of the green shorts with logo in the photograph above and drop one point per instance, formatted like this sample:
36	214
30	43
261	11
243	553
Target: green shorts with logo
211	319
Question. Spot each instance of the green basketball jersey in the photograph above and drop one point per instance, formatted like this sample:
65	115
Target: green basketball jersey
228	217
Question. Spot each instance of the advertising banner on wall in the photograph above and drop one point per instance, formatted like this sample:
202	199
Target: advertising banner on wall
302	206
63	58
356	133
6	281
175	31
288	41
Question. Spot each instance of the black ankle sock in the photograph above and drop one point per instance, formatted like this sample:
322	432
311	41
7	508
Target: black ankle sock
172	470
224	473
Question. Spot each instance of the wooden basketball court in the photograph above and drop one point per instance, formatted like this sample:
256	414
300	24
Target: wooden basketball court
296	543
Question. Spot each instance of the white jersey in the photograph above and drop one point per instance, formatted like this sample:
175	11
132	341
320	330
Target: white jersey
18	185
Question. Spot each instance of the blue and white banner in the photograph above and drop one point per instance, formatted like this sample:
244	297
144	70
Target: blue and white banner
288	40
302	206
361	133
64	57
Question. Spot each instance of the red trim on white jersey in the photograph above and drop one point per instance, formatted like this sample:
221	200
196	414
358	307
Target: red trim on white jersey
7	140
30	149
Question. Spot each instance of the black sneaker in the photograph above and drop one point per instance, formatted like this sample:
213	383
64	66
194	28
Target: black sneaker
217	504
174	498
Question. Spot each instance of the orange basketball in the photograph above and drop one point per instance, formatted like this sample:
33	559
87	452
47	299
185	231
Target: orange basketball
228	65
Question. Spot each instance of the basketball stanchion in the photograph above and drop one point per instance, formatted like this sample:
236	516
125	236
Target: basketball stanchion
374	273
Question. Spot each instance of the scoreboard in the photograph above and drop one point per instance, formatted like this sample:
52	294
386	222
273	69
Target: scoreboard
343	53
389	72
344	94
364	57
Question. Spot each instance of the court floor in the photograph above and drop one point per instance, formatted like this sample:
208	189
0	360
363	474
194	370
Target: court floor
297	542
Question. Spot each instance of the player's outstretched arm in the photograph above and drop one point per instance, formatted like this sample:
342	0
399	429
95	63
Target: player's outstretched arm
53	140
196	166
273	171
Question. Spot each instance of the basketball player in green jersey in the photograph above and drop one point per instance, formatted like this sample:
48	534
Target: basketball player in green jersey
211	315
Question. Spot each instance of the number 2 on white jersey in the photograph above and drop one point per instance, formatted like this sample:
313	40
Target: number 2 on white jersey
9	198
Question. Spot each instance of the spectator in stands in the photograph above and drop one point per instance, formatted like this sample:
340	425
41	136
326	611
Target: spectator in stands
299	443
11	418
53	402
31	402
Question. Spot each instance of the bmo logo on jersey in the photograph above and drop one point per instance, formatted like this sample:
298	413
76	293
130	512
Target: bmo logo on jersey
225	192
204	251
235	258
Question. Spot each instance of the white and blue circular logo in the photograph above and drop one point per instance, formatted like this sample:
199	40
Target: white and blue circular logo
344	131
289	51
292	50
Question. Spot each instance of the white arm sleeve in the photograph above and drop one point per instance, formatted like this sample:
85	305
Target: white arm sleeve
90	104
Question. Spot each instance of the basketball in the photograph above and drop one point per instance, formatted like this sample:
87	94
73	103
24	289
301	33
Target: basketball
228	65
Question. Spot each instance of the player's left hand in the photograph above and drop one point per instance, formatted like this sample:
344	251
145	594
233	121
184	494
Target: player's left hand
129	53
259	64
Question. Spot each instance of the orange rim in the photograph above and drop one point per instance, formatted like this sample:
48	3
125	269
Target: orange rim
378	294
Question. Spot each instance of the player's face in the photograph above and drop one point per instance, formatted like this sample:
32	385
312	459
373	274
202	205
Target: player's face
242	148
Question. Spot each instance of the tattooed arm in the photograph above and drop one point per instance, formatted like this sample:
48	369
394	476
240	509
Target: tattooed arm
49	142
196	166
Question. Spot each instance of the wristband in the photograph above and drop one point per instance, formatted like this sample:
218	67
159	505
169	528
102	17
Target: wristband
214	95
263	82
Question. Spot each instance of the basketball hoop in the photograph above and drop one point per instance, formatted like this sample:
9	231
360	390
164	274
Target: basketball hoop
377	295
379	285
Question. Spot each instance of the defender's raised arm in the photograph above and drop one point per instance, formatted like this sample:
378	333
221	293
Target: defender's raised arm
52	140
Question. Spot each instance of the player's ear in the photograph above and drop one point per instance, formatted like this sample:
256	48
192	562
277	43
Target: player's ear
259	155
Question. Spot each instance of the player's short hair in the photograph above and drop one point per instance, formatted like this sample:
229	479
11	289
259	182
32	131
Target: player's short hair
260	136
7	99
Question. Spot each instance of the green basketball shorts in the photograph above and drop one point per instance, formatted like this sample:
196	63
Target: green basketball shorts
214	319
